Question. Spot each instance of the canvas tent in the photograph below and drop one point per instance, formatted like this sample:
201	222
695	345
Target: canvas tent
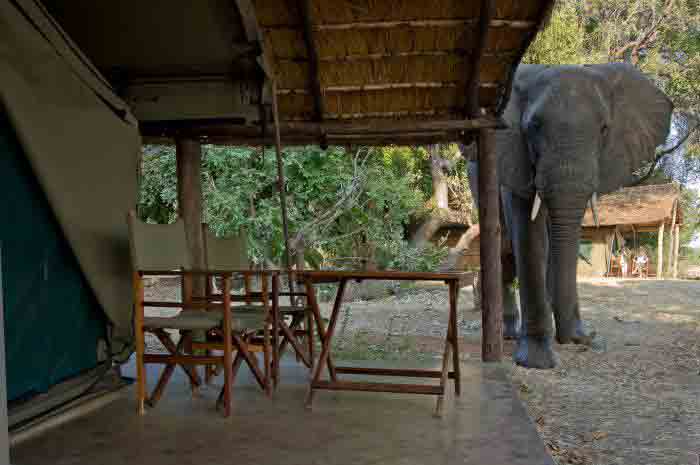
68	163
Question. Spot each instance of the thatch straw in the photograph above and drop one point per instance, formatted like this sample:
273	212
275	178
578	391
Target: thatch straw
404	57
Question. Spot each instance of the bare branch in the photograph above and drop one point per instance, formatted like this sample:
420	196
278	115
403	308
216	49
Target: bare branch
662	153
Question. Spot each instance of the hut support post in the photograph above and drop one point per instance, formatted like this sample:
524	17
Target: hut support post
490	249
672	239
676	242
660	253
189	196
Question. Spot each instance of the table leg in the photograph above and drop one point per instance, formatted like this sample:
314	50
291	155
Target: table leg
275	330
316	312
326	338
454	300
310	337
443	378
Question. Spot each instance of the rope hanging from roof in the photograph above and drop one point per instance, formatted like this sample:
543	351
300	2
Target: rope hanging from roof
282	192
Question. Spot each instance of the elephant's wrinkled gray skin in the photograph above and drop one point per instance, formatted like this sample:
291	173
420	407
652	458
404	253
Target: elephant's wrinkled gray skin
573	131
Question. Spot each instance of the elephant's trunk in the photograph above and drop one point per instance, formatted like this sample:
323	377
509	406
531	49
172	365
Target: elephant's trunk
565	217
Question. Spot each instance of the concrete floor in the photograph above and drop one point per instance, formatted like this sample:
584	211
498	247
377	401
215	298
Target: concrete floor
487	425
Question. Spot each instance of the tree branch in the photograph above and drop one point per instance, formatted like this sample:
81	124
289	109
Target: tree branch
647	38
662	153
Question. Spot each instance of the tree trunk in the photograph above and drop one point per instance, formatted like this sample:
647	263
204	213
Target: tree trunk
437	166
456	257
441	215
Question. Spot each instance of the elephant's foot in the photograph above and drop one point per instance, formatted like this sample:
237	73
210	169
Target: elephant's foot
579	335
535	352
511	327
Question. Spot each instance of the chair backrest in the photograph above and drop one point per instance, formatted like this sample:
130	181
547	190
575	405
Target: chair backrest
230	253
156	247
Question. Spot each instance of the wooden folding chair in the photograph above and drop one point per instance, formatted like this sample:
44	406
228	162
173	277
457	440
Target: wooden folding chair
252	313
232	254
161	250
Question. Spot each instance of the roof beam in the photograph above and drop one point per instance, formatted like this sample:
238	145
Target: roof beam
485	13
295	130
496	23
411	54
254	34
380	87
312	51
545	12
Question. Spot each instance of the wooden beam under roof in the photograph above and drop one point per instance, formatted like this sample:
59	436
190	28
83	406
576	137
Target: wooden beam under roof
545	12
312	52
485	13
434	23
313	131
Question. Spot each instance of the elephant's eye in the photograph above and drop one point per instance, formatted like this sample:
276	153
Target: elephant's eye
604	130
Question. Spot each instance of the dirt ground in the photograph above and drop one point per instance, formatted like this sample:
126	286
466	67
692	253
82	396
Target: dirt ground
633	398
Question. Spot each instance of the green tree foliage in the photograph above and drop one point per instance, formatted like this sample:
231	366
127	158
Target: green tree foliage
237	180
561	42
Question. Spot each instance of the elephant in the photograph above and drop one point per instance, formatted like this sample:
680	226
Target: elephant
573	132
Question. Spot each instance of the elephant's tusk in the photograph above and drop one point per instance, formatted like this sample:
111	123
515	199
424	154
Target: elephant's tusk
536	206
594	208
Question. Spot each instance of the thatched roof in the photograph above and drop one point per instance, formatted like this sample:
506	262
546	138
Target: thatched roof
345	72
640	205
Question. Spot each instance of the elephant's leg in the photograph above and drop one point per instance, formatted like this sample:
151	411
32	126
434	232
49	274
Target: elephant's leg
580	334
530	247
511	314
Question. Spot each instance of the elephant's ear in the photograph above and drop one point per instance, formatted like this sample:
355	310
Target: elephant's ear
641	119
515	166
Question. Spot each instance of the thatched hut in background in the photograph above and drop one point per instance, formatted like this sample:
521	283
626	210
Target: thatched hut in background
623	217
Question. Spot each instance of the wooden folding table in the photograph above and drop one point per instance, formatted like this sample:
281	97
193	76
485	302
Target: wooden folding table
451	350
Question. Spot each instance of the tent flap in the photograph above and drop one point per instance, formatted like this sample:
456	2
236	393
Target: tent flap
83	153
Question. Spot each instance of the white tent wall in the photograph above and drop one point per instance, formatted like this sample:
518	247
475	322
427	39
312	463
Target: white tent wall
83	145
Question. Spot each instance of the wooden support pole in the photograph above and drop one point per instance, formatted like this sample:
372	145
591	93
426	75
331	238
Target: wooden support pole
672	238
490	249
675	251
660	252
312	52
473	85
189	196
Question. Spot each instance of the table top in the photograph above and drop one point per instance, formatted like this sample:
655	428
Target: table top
327	275
388	275
208	272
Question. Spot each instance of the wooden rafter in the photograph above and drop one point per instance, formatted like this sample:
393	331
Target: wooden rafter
312	52
379	87
301	129
545	11
411	54
485	13
434	23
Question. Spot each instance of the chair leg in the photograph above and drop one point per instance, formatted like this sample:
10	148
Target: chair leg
310	338
162	382
268	362
140	371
